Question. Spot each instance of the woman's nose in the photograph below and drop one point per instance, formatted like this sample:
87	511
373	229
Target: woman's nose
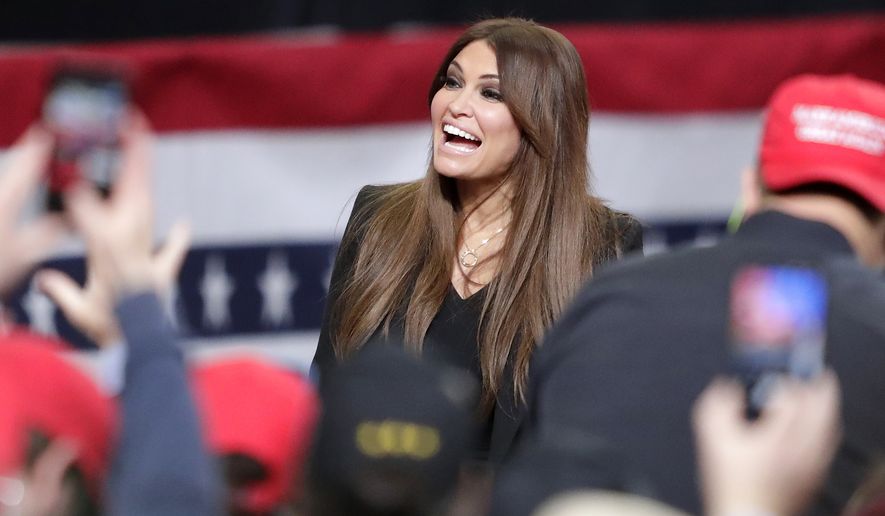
461	104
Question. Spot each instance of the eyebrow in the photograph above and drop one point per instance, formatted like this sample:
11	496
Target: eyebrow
486	76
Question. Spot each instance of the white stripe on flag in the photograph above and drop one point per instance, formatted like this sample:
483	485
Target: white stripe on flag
298	185
285	185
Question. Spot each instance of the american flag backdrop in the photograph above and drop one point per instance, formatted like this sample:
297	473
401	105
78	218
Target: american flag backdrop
263	142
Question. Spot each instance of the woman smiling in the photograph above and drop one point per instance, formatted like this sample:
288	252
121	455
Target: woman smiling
474	262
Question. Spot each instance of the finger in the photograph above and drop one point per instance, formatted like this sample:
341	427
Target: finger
783	409
719	410
168	260
30	244
55	460
830	401
821	406
24	169
63	291
134	180
830	395
86	308
86	210
36	240
722	394
48	472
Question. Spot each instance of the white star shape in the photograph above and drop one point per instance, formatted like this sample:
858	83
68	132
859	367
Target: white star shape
277	283
216	287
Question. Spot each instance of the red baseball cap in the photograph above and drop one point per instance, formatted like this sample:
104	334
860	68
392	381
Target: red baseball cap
56	398
262	411
826	129
12	440
11	437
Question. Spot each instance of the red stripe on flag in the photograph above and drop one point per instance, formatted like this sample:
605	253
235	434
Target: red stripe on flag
311	80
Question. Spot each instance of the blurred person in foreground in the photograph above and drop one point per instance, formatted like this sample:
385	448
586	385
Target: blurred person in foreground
776	464
258	420
392	437
160	465
573	462
771	466
55	426
600	503
58	430
644	338
476	260
25	243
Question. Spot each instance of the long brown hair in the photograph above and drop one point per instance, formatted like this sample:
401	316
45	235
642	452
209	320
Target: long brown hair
407	235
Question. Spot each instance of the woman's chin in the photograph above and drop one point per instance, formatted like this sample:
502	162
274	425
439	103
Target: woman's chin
445	168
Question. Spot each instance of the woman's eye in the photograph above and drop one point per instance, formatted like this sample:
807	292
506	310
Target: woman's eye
492	94
450	82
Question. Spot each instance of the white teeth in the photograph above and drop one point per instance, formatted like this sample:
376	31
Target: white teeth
451	129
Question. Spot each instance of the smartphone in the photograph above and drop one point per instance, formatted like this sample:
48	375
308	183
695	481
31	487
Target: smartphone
777	326
84	108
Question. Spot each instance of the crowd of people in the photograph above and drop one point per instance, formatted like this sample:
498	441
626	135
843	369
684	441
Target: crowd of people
494	341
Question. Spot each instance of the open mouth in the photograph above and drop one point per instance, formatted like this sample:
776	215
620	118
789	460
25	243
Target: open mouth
459	139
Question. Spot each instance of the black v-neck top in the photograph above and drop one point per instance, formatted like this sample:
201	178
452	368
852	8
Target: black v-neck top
451	339
452	336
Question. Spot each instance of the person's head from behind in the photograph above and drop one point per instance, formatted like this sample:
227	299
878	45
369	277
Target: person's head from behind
59	429
258	419
510	101
564	461
584	502
823	157
38	475
391	438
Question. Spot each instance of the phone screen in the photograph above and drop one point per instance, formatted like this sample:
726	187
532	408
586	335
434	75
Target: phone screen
84	108
778	327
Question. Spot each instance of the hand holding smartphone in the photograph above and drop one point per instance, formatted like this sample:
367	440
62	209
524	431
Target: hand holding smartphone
778	327
84	109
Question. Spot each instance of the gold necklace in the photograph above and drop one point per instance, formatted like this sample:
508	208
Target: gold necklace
468	258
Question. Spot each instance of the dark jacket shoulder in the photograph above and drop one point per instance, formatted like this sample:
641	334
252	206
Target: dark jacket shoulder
629	232
625	231
363	209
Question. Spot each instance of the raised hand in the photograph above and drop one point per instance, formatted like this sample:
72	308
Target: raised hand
90	308
773	465
119	241
23	245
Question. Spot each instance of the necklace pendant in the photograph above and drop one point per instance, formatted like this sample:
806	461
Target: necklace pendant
468	259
